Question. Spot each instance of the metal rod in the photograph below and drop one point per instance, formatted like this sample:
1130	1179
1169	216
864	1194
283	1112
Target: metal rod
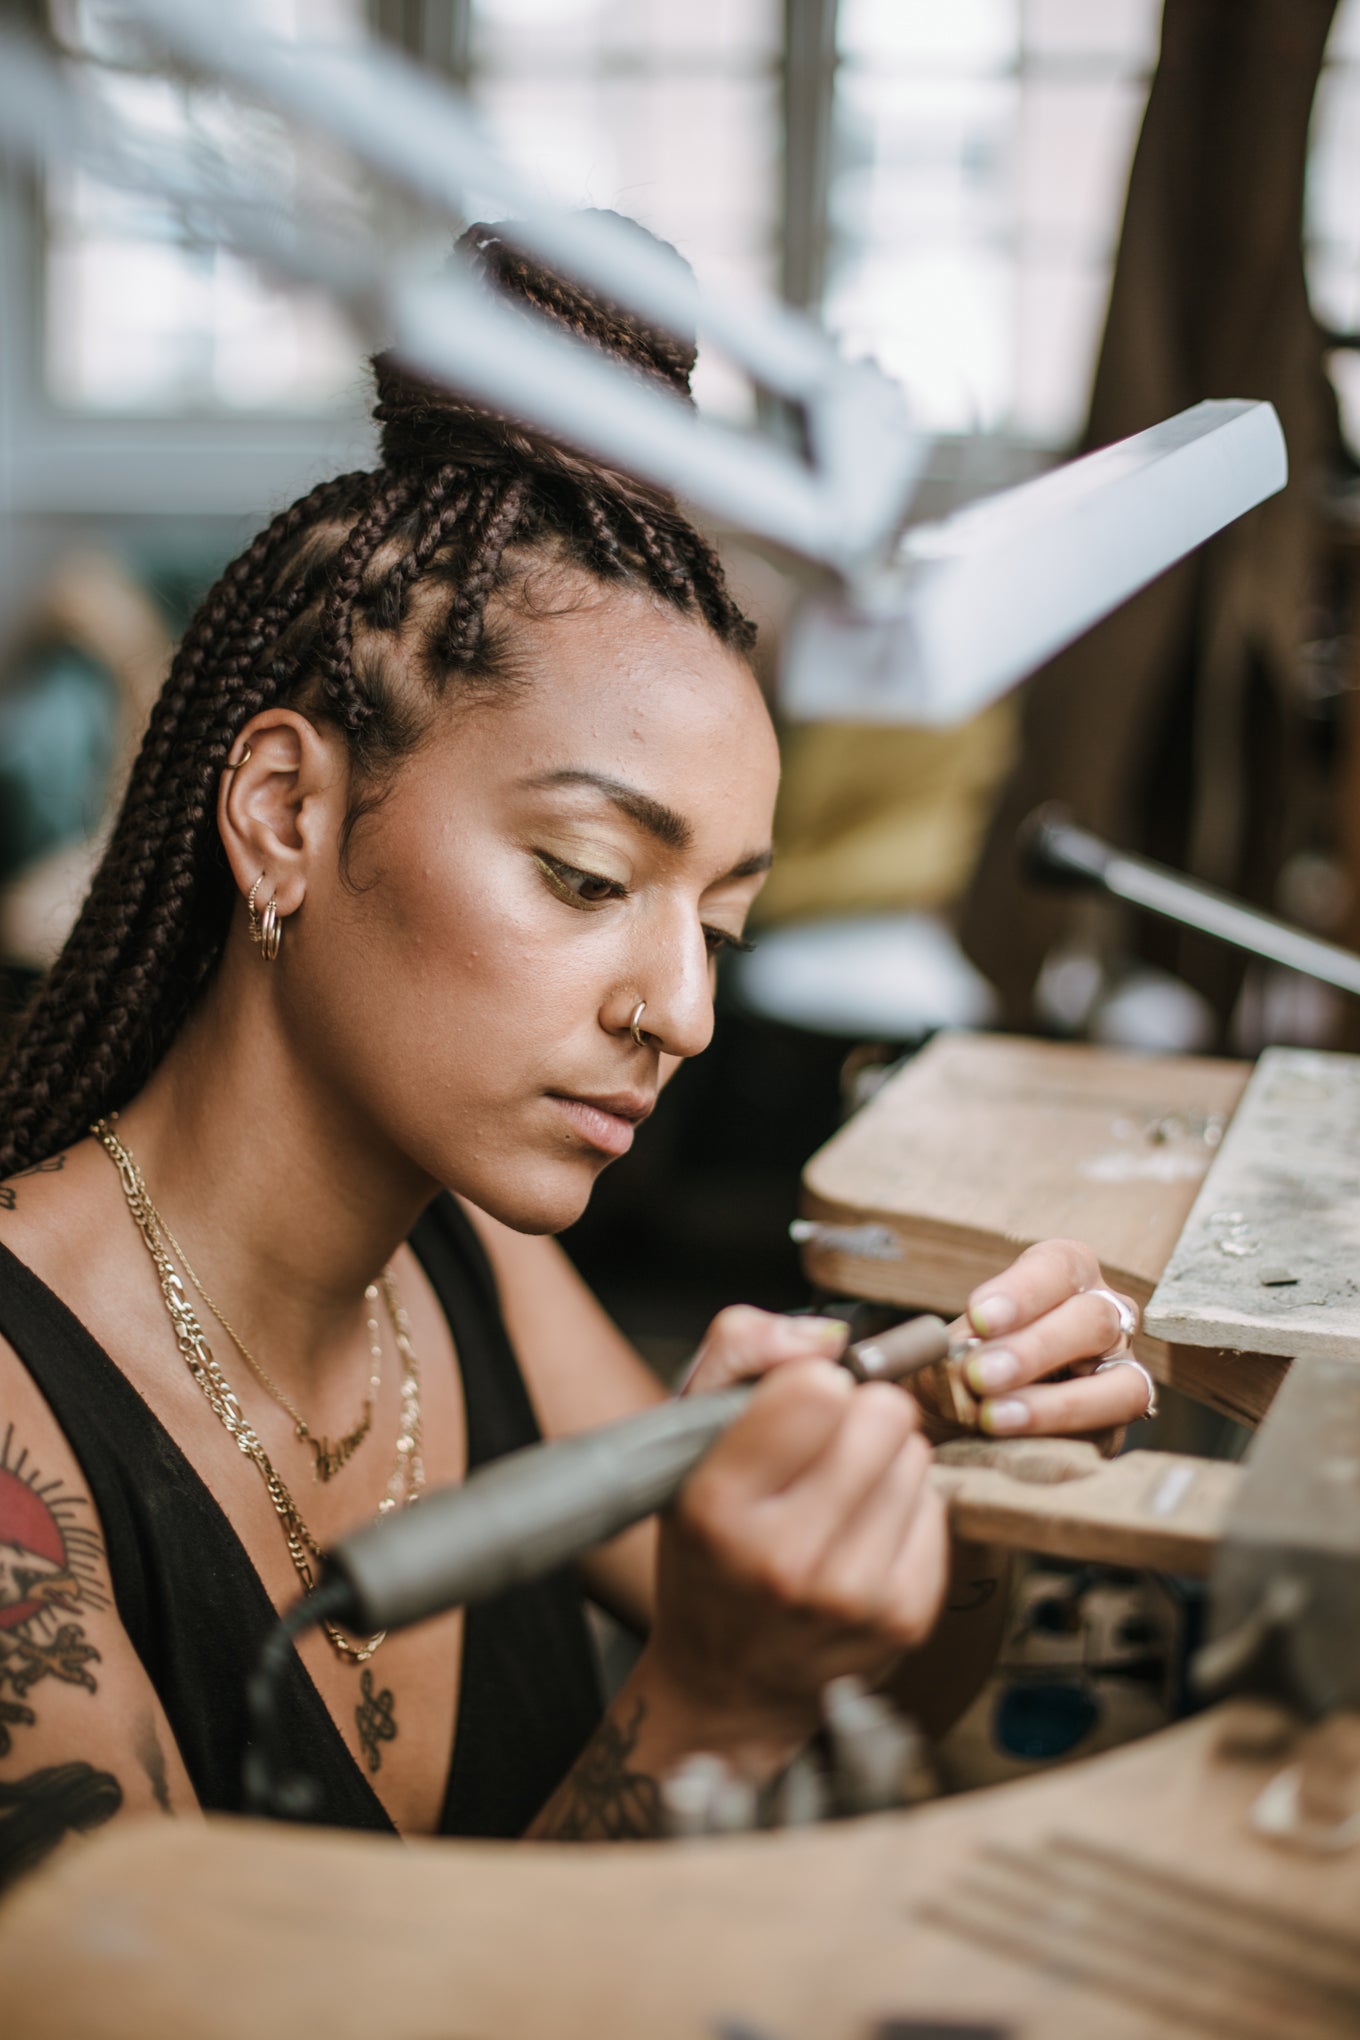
1055	849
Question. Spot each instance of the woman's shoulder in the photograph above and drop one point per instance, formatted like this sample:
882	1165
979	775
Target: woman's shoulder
64	1235
50	1399
62	1271
35	1247
49	1218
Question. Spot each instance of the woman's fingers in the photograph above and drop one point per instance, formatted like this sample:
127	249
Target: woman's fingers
793	1416
813	1492
885	1568
743	1341
919	1578
822	1508
809	1543
1085	1327
1042	1277
1093	1402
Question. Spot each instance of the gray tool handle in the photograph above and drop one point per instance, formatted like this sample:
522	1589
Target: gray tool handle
527	1514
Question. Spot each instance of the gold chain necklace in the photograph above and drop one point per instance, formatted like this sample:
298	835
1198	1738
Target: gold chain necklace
328	1458
408	1474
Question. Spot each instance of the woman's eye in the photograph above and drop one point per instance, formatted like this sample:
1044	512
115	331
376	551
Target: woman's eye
718	939
581	888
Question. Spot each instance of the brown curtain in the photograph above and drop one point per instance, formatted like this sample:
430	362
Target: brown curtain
1171	728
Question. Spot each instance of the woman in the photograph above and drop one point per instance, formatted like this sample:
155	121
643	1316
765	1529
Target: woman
460	782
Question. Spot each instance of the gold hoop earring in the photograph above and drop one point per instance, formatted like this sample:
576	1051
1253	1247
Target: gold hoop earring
234	765
271	930
266	934
634	1024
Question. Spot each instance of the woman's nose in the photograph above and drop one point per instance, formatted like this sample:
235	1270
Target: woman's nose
672	979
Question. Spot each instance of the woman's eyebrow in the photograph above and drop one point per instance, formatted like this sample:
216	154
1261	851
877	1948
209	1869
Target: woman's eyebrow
660	821
654	816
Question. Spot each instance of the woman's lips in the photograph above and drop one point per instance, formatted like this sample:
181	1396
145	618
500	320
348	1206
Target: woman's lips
608	1131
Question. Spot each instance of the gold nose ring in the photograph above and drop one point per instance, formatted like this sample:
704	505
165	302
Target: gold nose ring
634	1027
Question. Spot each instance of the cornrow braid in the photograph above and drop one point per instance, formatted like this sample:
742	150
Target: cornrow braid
310	616
497	515
646	348
448	495
351	707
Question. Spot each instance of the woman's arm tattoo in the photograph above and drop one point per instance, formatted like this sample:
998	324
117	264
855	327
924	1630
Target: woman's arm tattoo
971	1595
39	1811
602	1800
151	1757
51	1571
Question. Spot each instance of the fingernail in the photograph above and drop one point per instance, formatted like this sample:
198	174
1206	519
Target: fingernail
992	1314
990	1371
816	1334
1001	1418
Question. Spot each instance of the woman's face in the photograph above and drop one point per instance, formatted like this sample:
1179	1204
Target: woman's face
542	863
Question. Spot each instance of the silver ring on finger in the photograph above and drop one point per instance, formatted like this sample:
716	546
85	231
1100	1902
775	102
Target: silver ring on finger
1127	1360
1126	1312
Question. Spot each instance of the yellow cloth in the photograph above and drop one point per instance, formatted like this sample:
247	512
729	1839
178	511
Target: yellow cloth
876	819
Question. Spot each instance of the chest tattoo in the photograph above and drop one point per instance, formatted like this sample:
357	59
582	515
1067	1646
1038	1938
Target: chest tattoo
374	1718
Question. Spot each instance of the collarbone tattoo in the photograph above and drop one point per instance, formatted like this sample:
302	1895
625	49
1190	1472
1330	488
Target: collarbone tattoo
9	1196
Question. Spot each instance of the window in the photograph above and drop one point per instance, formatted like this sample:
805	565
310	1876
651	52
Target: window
669	112
139	317
983	151
981	155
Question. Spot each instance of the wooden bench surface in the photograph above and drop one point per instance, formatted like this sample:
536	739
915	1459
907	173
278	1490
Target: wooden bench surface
1269	1256
1123	1897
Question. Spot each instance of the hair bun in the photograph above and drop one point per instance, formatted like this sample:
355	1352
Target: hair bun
424	423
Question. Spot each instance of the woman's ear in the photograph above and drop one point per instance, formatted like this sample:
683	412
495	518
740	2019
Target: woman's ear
282	796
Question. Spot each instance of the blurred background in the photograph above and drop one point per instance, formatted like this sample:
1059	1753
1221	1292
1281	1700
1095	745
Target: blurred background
1056	222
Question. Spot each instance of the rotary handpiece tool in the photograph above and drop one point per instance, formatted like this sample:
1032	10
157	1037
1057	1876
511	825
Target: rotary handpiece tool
539	1508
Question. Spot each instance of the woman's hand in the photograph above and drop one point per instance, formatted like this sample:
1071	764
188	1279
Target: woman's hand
1051	1314
808	1544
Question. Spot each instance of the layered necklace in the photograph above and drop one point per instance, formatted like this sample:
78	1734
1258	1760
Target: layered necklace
407	1477
328	1458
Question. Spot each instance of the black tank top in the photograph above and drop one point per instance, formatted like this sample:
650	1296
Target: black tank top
197	1611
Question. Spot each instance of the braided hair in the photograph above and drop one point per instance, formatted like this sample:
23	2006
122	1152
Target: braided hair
403	559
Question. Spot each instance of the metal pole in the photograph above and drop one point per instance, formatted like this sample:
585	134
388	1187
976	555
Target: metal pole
1056	850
